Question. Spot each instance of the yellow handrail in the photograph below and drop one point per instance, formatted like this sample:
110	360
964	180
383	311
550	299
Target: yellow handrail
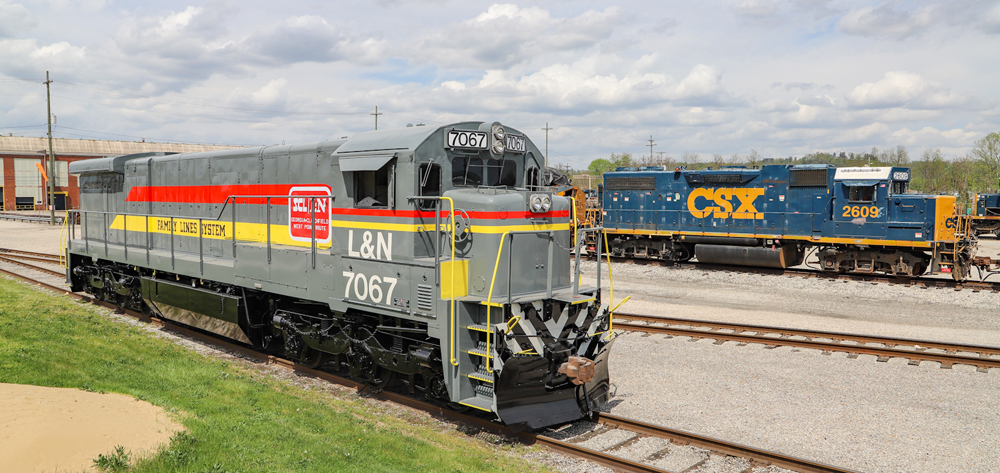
611	299
489	299
62	241
451	213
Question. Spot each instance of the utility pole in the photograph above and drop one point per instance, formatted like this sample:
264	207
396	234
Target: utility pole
52	156
376	116
546	144
651	145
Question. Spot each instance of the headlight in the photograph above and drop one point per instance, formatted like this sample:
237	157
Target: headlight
536	203
540	203
498	147
498	132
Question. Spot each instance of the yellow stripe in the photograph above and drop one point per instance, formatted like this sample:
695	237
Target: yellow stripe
474	406
212	230
480	229
257	232
852	241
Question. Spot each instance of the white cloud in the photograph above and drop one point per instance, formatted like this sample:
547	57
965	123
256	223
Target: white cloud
505	35
885	20
902	89
991	20
15	19
758	10
26	54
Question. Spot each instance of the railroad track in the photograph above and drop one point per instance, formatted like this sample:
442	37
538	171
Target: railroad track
550	438
28	255
922	282
17	260
947	354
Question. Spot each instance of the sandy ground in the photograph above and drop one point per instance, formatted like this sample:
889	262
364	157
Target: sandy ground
58	429
82	424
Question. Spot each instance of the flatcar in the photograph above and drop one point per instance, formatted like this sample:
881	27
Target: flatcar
431	256
860	219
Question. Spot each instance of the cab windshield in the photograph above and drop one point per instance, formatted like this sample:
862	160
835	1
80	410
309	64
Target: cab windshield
475	172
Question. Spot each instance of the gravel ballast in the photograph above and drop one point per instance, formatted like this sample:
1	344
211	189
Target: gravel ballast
850	412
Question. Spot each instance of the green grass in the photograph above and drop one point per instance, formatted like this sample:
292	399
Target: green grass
236	419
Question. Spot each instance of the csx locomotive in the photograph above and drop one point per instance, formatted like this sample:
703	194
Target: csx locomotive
857	219
427	254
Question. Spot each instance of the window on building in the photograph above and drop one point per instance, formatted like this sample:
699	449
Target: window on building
27	179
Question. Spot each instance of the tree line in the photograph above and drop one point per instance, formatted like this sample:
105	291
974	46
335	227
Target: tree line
965	175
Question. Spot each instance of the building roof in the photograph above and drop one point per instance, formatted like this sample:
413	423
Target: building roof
68	146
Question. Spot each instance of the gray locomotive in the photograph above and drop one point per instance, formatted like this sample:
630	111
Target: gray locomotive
429	255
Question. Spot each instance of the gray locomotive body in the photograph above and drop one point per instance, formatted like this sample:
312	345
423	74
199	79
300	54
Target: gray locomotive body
431	255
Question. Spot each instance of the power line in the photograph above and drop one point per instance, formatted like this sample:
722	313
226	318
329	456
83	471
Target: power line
212	107
133	136
25	126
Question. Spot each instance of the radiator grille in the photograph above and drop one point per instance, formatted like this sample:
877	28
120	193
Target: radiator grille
807	178
425	297
637	183
723	178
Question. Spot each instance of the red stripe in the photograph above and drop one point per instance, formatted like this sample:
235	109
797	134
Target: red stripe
219	194
211	194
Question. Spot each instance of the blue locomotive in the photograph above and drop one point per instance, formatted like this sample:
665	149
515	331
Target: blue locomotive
987	214
857	219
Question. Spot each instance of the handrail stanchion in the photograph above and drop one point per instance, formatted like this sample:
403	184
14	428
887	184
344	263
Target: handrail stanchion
104	216
548	267
201	252
86	233
172	263
125	237
233	213
269	230
147	239
312	224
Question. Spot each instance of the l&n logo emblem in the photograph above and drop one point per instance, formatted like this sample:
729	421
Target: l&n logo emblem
301	219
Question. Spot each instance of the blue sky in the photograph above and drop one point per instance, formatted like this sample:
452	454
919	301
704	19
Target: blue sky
785	78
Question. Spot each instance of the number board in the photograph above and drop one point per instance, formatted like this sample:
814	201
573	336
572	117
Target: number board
901	176
468	139
516	143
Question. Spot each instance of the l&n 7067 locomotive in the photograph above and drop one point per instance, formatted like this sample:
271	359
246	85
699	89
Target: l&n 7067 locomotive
427	254
858	219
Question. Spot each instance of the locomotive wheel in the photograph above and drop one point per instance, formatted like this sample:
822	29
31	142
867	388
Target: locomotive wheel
313	358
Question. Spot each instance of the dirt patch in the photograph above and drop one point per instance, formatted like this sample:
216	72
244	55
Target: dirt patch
58	429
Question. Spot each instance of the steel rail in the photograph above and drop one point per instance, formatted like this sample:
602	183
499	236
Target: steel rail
33	267
921	281
719	446
28	253
602	458
983	362
45	259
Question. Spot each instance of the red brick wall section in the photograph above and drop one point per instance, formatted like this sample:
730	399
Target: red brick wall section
73	191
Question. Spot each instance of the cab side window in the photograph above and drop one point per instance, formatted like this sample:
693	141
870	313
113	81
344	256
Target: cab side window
374	189
429	183
861	194
532	177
